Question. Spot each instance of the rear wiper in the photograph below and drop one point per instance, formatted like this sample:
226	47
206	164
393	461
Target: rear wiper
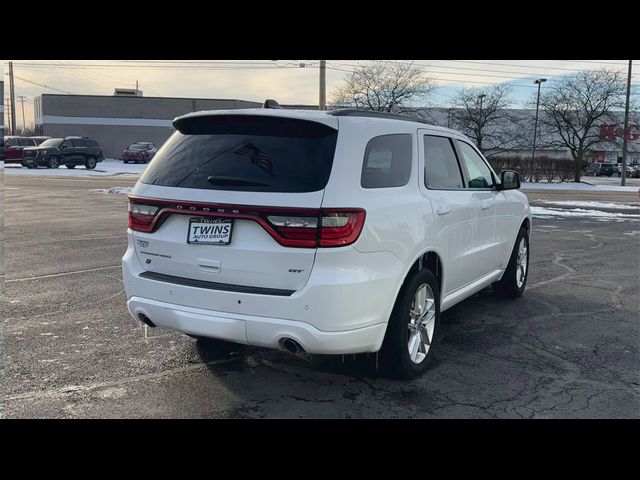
228	181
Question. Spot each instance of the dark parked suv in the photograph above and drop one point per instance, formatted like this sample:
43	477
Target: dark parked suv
69	151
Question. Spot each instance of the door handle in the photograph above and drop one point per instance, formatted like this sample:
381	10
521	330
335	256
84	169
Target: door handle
485	205
443	210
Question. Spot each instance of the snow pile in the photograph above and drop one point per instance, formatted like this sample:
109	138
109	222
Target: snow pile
114	190
581	203
544	212
576	186
107	167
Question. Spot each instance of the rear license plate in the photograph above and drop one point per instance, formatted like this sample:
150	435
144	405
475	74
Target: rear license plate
210	231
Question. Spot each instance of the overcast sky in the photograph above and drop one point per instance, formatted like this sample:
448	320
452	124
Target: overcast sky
288	81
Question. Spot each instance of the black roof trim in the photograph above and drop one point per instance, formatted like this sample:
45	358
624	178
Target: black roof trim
352	112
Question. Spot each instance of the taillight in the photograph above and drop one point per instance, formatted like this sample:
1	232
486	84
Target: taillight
290	227
141	217
337	228
340	227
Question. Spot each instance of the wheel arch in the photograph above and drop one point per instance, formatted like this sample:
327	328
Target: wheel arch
430	259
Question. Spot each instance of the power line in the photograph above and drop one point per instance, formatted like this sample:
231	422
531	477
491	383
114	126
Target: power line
40	84
461	80
163	67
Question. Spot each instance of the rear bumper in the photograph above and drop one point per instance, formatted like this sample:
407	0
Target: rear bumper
257	330
343	308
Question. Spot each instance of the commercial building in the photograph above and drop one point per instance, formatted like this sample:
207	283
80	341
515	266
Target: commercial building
118	120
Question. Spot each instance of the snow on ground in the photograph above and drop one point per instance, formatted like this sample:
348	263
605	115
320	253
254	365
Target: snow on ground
577	186
109	166
544	212
114	190
581	203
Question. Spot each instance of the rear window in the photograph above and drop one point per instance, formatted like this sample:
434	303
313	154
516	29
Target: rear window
245	153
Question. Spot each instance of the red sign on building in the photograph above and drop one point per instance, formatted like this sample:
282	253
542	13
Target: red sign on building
610	132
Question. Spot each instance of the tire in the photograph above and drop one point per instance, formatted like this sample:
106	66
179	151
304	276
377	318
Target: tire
90	163
70	165
514	279
53	162
406	352
125	161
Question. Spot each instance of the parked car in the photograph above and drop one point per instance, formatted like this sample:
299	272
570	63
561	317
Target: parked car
598	169
68	151
139	152
333	232
13	146
606	169
629	169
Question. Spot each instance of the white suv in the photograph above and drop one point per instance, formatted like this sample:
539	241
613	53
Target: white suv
325	232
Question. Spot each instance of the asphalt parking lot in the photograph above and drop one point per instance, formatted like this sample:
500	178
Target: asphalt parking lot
568	349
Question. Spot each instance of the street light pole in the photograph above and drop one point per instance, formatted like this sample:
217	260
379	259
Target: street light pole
626	126
481	96
539	82
480	122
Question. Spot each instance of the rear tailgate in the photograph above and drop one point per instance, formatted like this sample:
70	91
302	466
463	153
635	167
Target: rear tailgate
235	201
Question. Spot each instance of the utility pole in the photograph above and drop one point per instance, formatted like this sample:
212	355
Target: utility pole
623	175
24	122
322	104
12	96
136	84
8	110
539	82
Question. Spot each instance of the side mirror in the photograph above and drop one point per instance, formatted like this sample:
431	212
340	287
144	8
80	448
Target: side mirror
510	180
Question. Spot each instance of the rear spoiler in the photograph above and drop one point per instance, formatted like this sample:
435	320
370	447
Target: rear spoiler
244	124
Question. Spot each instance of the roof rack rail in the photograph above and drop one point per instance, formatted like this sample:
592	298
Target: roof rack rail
352	112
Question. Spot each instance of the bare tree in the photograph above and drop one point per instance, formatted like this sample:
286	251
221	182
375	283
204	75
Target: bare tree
573	107
385	87
482	115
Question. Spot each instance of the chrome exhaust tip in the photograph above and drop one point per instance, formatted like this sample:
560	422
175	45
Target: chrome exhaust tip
144	319
291	345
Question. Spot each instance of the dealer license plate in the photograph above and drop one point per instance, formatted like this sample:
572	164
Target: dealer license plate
210	231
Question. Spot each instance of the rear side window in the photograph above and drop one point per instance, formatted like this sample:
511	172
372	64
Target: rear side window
27	142
441	164
387	161
245	153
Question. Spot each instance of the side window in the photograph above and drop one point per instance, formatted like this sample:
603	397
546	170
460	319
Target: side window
387	161
479	172
12	142
27	142
441	165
